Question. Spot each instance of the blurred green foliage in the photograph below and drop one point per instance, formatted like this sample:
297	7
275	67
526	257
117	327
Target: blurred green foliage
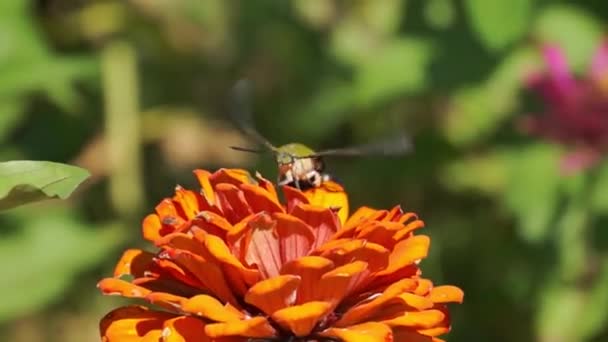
135	91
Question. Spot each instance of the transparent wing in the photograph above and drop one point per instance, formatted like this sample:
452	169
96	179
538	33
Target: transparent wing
393	146
240	113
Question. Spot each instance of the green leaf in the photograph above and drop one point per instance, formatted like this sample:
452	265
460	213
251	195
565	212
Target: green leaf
559	306
25	181
533	189
480	110
490	172
499	23
599	192
50	249
593	320
329	105
399	67
574	30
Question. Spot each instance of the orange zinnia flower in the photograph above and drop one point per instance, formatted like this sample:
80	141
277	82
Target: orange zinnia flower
236	265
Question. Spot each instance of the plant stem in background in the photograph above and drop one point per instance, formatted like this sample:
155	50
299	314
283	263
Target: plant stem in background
122	124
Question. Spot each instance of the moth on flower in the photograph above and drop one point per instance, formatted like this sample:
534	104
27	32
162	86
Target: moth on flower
300	166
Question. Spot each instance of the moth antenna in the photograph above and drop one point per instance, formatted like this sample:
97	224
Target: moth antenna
246	149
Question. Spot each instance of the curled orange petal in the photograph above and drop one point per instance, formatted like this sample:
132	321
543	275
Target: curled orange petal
323	221
273	294
256	327
132	324
368	308
446	294
231	176
259	199
215	248
417	319
363	214
209	307
267	185
134	262
301	319
190	202
184	329
207	273
166	300
118	287
411	335
206	187
375	255
310	269
152	228
365	332
338	283
407	252
232	201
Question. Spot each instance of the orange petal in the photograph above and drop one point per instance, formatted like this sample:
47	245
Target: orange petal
446	294
232	201
273	294
153	229
179	241
208	192
231	176
208	273
363	214
415	301
366	332
310	269
380	232
209	307
323	221
132	324
394	214
417	319
329	195
266	184
295	237
365	310
119	287
215	248
256	327
437	331
407	229
407	217
424	287
178	273
212	223
168	284
167	300
134	262
410	335
260	199
293	197
402	305
189	202
167	209
340	282
407	252
184	329
301	319
262	245
375	255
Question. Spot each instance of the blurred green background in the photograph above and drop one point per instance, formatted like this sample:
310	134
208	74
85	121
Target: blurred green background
136	92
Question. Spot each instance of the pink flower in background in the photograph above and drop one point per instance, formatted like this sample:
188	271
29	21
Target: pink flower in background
576	110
